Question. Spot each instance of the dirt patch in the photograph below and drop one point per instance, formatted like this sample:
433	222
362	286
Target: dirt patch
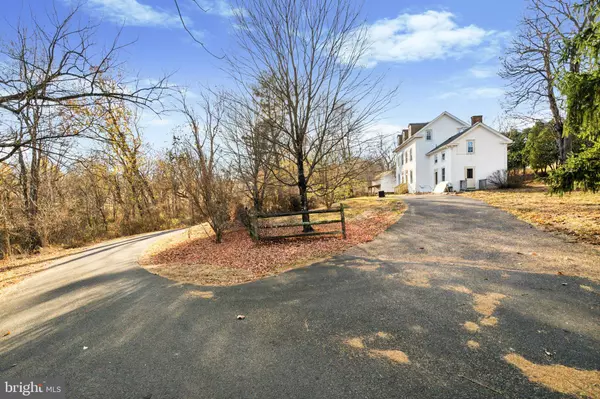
384	335
395	356
239	259
356	343
563	379
486	304
471	327
201	294
473	344
457	288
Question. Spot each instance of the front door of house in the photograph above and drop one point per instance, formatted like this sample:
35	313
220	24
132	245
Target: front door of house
435	178
470	177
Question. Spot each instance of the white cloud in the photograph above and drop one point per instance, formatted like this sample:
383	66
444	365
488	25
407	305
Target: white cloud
134	13
473	93
426	36
481	72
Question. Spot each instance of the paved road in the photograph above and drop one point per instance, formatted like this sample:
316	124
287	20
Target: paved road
147	337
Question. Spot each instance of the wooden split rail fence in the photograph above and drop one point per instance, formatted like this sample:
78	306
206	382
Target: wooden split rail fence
256	227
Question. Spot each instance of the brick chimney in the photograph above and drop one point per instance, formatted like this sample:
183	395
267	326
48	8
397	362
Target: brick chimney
476	119
399	138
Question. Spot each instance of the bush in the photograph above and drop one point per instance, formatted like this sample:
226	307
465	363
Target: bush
501	179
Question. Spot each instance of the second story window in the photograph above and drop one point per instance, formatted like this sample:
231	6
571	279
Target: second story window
435	158
411	154
401	158
428	135
443	156
470	147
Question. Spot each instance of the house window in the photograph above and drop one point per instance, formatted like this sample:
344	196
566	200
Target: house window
435	158
469	173
443	174
406	157
428	134
443	156
435	177
411	177
470	147
402	158
411	154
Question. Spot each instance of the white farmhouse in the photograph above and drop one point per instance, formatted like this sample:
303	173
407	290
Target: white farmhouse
448	149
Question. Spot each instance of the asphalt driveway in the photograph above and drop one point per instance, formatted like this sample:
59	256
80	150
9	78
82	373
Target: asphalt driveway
447	262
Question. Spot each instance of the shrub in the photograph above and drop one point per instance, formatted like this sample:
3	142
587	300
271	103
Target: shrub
501	179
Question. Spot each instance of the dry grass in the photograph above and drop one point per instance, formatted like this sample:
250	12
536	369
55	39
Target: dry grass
576	214
17	268
566	380
196	258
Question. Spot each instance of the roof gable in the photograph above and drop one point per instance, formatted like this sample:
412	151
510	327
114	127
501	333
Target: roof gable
465	132
421	127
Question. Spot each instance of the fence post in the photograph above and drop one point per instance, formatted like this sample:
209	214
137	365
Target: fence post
343	218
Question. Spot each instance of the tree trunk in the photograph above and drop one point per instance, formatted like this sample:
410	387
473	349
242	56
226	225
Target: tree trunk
302	190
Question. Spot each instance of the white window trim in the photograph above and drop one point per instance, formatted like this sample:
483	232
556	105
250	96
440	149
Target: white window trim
428	134
471	141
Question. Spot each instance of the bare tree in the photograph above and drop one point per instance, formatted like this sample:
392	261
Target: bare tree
196	159
383	151
534	62
250	138
311	51
56	66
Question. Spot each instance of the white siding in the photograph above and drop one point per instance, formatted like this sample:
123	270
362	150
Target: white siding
388	183
490	155
441	130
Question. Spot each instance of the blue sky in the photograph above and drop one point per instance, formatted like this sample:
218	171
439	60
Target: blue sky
444	55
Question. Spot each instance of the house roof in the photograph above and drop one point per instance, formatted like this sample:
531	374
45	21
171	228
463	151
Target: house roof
425	125
465	131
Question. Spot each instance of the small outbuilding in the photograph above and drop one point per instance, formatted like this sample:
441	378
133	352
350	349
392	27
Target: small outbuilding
385	181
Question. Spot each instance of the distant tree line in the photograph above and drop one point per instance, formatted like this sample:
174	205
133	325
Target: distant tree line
74	166
554	79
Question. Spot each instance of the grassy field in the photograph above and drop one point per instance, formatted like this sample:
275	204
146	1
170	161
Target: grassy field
196	258
576	215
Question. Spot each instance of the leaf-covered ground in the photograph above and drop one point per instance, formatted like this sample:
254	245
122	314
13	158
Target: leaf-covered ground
198	259
576	214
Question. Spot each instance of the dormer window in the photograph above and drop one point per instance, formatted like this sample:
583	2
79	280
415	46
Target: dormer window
428	134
